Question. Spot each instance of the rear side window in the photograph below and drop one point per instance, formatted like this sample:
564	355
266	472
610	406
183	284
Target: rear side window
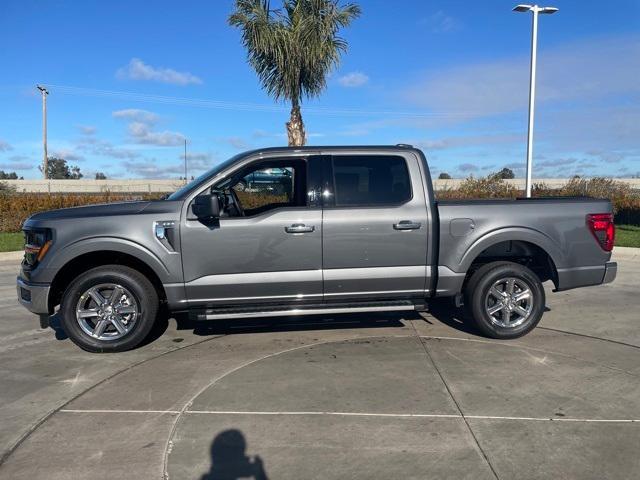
370	180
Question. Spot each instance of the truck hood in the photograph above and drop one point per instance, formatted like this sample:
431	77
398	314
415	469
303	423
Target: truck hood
99	210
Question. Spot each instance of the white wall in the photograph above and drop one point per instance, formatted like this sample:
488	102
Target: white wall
164	186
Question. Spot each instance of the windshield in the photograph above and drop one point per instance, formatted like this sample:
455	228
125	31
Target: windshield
181	193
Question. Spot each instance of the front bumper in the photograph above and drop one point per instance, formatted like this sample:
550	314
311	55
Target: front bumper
610	272
34	296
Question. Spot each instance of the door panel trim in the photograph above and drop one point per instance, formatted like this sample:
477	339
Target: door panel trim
387	282
271	297
258	277
222	288
381	292
366	273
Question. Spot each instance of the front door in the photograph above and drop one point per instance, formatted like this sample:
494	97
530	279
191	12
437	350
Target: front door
375	228
267	245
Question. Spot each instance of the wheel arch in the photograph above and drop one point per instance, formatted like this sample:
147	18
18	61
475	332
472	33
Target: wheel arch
85	261
528	247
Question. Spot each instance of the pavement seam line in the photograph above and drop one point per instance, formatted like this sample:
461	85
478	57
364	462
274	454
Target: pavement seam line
516	344
618	342
5	456
174	426
35	426
42	420
359	414
446	386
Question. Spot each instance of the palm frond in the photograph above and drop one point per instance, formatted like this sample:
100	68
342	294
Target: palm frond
293	49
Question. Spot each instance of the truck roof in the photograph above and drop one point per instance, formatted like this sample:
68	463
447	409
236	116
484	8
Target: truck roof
396	147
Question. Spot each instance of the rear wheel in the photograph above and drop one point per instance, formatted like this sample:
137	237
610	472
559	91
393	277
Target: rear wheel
505	299
111	308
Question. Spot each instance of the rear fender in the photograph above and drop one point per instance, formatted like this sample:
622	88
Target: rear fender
529	235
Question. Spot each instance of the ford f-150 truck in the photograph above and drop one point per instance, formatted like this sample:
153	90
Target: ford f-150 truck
350	229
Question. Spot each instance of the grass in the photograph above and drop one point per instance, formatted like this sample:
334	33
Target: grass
10	242
627	236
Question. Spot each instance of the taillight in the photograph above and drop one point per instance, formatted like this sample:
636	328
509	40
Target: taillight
603	229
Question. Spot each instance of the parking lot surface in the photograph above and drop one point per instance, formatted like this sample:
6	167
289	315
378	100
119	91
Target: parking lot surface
350	396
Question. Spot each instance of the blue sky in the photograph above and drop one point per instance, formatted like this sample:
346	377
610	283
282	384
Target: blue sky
129	80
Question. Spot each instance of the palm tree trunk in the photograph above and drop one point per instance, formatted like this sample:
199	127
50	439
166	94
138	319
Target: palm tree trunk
295	127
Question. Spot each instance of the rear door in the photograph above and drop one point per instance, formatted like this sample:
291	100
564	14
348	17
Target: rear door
375	227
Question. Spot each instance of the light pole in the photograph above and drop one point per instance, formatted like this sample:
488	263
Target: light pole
185	162
535	9
45	160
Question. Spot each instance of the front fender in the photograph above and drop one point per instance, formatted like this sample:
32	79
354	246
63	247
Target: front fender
60	258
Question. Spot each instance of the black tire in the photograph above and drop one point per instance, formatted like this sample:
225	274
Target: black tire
478	288
135	283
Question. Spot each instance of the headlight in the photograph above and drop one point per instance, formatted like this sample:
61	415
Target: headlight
36	245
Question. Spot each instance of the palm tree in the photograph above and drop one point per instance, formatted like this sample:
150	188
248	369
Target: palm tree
294	48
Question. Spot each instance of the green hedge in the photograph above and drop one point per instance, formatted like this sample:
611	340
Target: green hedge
16	207
625	200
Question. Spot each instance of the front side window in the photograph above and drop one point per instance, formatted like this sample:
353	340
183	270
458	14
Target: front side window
266	186
370	180
270	185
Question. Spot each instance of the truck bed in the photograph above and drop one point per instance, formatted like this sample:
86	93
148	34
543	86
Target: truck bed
469	228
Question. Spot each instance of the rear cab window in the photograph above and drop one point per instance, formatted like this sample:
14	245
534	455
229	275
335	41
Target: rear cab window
370	180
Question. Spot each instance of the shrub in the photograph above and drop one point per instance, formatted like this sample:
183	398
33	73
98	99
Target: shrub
622	196
16	208
484	187
5	188
625	200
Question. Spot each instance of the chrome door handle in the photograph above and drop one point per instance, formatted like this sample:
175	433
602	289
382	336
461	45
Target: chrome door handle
407	225
299	228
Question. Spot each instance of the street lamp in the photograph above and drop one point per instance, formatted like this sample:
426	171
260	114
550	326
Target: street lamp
45	160
535	9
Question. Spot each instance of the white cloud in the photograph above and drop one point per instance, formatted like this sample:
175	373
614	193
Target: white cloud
87	129
198	161
237	142
67	154
138	70
353	79
467	167
136	115
105	148
4	146
440	22
586	70
150	168
469	141
18	162
141	128
143	133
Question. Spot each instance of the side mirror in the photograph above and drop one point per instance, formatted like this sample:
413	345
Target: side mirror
206	206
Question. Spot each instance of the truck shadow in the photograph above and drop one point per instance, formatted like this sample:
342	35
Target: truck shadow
440	310
443	310
290	324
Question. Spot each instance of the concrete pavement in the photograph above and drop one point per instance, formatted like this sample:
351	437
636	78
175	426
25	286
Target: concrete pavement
353	396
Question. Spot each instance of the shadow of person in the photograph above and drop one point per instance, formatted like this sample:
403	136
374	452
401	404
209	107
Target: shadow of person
229	460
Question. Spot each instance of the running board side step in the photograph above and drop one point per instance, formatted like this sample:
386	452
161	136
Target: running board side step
305	310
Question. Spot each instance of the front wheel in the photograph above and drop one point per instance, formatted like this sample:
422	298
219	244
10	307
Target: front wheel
111	308
505	299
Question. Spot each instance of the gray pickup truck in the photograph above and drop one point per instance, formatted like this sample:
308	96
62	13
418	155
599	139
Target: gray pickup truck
348	229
